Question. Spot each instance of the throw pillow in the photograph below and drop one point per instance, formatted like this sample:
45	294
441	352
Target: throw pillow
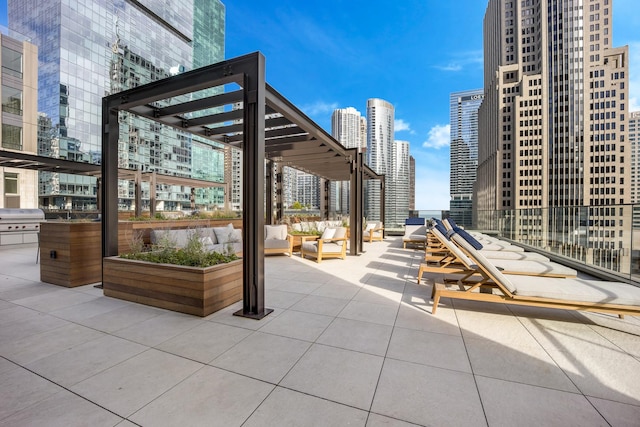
206	241
223	234
273	232
328	233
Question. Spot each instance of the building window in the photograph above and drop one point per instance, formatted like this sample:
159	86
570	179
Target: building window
11	137
11	100
11	62
10	183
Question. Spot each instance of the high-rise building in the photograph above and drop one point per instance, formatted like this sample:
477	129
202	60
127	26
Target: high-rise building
463	113
412	183
380	137
552	146
634	140
307	189
346	128
397	182
89	49
19	71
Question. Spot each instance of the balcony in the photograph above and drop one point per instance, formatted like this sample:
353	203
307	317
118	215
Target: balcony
350	342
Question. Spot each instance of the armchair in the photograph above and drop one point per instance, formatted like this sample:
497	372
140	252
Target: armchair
277	240
373	231
332	244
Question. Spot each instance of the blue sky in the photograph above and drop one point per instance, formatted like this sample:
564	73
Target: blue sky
331	54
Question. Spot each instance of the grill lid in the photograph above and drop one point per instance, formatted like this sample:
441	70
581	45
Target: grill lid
9	215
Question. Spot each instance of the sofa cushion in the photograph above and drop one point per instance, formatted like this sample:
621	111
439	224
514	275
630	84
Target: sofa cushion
340	233
275	232
276	244
223	234
328	233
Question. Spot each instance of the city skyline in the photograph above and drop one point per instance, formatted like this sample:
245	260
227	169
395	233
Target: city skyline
324	57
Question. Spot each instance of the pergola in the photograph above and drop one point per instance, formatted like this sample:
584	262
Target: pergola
20	160
230	102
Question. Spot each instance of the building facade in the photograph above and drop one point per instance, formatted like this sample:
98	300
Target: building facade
553	149
19	71
90	49
380	137
463	113
346	128
634	141
398	183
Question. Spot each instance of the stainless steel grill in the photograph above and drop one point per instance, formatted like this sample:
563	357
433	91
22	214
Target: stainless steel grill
12	220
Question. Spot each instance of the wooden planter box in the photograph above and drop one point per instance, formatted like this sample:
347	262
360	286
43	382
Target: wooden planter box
78	247
191	290
70	253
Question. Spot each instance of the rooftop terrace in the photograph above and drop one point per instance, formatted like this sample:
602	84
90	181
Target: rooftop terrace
350	342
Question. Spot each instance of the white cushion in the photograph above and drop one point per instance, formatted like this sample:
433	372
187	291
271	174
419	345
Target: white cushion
206	241
275	232
339	234
223	234
328	233
236	236
590	291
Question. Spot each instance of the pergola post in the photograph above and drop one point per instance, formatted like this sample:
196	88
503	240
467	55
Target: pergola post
137	185
110	134
279	203
356	198
269	192
382	204
253	190
325	198
152	195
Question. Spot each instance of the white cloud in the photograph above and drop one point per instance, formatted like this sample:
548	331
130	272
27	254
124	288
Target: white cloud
462	59
432	181
319	107
400	125
452	66
438	137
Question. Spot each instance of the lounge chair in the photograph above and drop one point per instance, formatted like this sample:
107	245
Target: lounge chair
277	240
488	243
457	262
415	232
332	244
374	231
569	294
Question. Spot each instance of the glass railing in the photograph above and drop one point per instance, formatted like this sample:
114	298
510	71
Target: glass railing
603	237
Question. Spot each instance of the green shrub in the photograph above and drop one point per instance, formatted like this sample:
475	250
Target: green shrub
194	254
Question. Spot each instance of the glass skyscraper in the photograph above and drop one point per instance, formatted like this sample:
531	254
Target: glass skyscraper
463	109
88	49
346	128
380	116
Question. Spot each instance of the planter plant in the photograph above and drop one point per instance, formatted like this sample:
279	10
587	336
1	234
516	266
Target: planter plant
190	280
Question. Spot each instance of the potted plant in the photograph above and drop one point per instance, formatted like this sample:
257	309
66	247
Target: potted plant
190	279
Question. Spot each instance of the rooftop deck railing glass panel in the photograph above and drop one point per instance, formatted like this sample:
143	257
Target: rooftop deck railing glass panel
604	237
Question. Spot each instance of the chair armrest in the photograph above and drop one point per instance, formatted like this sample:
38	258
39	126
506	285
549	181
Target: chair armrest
334	239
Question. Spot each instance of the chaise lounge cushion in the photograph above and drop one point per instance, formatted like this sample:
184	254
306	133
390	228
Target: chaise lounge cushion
595	291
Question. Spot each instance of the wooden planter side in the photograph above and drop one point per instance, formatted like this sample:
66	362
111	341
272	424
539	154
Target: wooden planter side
191	290
78	253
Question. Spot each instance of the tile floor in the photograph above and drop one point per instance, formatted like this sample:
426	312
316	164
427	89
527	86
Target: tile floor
349	343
